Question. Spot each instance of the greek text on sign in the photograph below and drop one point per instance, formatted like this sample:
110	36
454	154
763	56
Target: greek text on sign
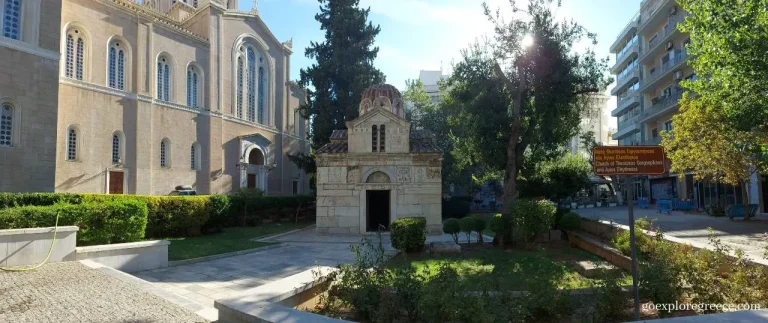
629	160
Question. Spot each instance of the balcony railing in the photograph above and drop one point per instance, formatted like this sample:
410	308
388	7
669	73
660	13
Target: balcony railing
653	141
670	28
663	103
628	122
680	55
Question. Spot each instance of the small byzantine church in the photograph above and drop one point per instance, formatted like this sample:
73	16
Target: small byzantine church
378	170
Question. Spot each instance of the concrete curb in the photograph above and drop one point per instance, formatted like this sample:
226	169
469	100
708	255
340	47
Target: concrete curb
222	255
278	235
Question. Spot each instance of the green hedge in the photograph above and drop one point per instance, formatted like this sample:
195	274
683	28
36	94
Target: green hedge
99	223
408	234
170	216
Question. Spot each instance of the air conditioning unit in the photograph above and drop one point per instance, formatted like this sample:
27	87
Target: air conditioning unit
669	45
678	75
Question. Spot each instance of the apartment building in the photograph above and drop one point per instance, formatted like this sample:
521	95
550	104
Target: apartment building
651	61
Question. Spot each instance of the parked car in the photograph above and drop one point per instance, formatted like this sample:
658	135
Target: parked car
183	190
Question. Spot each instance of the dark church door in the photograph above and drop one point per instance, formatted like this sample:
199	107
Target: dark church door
378	210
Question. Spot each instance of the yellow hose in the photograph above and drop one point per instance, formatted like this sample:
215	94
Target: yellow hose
53	242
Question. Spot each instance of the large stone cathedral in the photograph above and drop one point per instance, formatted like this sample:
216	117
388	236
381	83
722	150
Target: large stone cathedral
138	97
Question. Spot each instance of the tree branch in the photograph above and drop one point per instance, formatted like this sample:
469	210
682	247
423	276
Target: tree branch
586	91
504	79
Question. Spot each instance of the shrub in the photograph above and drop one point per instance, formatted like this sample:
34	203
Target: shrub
622	243
607	303
559	215
500	225
37	199
467	226
107	222
531	217
478	226
218	207
408	234
452	227
570	222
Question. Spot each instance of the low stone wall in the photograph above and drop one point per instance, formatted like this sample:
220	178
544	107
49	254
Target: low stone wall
279	301
601	249
128	257
24	247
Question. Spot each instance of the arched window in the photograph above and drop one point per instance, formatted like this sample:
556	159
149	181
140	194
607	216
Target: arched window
115	149
374	135
382	138
165	153
252	84
116	66
256	157
192	87
163	79
75	54
12	19
72	143
6	125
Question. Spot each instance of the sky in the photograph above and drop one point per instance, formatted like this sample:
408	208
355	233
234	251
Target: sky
430	34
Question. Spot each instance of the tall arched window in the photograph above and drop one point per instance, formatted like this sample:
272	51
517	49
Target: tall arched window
116	66
116	158
192	87
165	153
382	138
163	79
252	84
75	54
12	19
6	125
72	143
374	134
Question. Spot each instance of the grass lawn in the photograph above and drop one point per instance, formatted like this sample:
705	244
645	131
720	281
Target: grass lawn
231	239
494	268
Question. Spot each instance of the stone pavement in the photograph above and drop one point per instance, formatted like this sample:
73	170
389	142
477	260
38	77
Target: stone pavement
299	251
751	236
73	292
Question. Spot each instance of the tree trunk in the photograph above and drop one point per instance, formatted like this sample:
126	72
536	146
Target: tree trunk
745	198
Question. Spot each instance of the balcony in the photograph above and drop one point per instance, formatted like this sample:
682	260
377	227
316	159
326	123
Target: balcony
629	101
623	56
627	127
622	80
631	27
663	105
652	13
653	141
672	64
656	44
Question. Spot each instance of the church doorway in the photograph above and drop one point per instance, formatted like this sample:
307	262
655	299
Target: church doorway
378	210
251	181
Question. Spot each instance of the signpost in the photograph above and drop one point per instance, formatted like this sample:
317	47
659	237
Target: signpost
630	161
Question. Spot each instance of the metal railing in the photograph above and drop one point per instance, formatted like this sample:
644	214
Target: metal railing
664	103
680	55
668	29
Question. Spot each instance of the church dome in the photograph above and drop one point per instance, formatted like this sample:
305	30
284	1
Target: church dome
385	96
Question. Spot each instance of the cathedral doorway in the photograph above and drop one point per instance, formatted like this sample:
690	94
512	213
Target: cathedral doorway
378	210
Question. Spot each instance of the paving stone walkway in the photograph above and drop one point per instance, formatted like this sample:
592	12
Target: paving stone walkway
750	236
73	292
299	251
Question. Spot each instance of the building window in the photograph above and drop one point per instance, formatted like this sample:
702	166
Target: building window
295	188
115	149
12	19
116	65
165	153
75	52
6	125
382	138
163	79
193	157
71	143
251	90
374	134
192	87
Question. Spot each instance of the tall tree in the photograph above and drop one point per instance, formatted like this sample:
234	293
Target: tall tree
527	98
729	48
343	68
703	141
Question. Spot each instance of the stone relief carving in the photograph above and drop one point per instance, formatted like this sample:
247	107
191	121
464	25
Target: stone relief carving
334	175
404	174
433	173
419	175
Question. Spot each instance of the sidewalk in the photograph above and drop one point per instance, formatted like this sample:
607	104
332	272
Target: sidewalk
750	236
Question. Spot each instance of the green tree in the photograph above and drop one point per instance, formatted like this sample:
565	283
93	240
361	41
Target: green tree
729	49
342	71
703	141
513	99
587	140
557	178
